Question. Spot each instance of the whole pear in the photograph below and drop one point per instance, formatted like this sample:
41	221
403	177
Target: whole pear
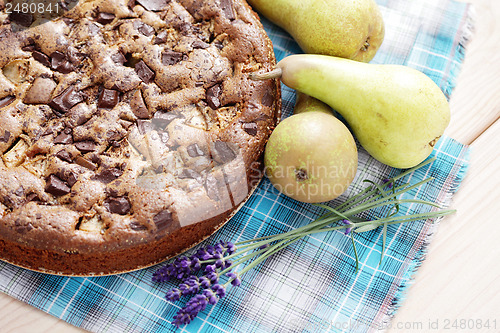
311	157
397	113
352	29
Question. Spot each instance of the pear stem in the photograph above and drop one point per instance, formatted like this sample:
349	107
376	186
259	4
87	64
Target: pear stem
274	74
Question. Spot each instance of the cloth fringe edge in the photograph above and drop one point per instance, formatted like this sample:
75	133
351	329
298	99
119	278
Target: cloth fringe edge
421	255
468	30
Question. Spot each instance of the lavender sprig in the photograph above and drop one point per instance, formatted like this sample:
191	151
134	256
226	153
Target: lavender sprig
201	273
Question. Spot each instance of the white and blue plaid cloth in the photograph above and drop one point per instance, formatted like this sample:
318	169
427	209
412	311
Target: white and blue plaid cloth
310	286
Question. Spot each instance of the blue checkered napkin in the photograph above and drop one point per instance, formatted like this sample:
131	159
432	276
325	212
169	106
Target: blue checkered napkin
310	286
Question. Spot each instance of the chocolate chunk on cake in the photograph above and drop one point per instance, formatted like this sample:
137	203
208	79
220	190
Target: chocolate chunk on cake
129	130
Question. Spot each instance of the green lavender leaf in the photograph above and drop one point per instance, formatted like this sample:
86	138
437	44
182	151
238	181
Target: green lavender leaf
355	253
366	228
384	238
377	186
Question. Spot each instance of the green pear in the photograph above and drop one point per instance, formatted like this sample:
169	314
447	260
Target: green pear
311	157
397	113
352	29
306	103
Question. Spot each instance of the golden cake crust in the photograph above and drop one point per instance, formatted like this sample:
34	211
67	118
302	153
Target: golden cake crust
129	130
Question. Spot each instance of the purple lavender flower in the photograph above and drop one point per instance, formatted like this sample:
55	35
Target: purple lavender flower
183	267
211	249
210	268
173	294
205	282
387	180
198	303
219	290
213	277
195	264
211	296
182	318
202	254
190	311
180	268
162	274
217	255
346	222
219	247
235	279
230	248
206	288
205	253
219	263
190	286
265	246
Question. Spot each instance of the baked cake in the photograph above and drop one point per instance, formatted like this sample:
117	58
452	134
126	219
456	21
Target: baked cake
129	130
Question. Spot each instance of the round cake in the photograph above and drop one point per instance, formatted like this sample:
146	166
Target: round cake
129	129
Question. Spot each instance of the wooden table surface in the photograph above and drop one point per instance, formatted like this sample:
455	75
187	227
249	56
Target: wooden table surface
457	288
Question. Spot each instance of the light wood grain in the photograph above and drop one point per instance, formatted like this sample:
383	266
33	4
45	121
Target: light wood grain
460	277
18	317
475	102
